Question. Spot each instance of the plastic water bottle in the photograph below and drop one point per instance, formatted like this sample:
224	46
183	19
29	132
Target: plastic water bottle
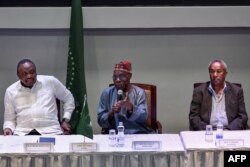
219	133
120	135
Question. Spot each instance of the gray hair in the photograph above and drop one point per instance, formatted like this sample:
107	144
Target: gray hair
218	61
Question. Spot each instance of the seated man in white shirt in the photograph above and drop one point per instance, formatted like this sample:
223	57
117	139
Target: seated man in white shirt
30	103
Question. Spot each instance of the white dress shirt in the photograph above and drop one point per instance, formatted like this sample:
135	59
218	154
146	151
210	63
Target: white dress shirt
35	108
218	113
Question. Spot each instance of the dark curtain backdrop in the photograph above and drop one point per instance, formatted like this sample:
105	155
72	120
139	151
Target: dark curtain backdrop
43	3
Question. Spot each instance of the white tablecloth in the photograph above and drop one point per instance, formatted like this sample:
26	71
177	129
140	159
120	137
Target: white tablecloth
171	153
201	153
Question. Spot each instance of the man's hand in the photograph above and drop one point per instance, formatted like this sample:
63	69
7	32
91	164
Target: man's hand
7	132
116	108
127	104
66	128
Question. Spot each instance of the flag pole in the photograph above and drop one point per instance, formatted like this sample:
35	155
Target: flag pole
80	120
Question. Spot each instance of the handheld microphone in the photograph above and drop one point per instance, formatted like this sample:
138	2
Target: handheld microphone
119	95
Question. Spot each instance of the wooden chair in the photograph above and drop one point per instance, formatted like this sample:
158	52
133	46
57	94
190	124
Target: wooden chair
152	121
151	93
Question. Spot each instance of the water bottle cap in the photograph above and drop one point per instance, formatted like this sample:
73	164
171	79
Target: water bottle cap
120	123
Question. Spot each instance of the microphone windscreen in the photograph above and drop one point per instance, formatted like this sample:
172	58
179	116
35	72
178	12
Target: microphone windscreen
119	95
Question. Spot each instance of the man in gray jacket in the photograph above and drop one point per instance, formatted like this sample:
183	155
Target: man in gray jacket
218	101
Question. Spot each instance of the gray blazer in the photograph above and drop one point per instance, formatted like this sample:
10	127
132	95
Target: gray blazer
201	104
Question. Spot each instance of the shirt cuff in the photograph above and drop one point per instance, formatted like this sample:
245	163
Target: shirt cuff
67	115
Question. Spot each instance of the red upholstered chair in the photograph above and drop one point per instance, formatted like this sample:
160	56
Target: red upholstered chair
151	93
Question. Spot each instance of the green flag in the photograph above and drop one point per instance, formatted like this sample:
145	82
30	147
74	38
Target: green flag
75	82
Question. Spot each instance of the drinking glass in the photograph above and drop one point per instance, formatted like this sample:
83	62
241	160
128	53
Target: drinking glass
112	138
209	133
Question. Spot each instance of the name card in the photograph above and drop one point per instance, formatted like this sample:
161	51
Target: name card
83	147
38	147
231	143
146	145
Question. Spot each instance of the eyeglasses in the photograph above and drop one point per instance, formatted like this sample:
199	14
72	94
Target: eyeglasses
121	77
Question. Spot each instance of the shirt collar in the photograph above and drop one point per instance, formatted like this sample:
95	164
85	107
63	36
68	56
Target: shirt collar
36	84
210	88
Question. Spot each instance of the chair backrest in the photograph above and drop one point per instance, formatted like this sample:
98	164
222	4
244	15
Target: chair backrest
150	91
199	83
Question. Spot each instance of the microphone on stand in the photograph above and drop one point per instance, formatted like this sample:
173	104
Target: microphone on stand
119	95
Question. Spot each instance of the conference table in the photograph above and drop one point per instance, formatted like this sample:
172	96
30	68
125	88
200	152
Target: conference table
202	153
171	152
